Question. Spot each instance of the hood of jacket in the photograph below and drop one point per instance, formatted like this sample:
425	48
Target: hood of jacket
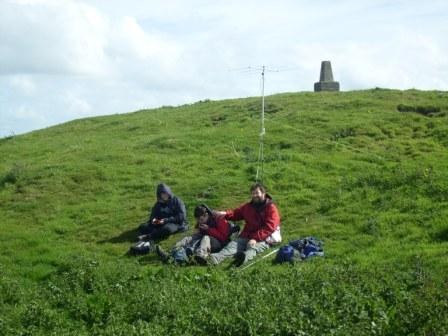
211	217
162	187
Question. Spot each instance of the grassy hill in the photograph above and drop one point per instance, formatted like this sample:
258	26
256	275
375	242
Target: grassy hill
366	171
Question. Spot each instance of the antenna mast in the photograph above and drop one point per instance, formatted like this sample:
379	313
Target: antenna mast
259	176
260	163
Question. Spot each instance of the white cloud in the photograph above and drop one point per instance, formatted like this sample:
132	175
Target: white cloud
76	105
26	113
51	37
133	41
23	84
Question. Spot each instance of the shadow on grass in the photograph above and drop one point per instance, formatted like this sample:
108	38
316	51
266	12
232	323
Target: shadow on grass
129	236
442	235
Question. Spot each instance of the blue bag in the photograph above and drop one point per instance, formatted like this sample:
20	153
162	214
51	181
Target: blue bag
285	254
300	249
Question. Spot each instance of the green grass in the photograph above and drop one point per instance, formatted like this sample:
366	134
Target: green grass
366	171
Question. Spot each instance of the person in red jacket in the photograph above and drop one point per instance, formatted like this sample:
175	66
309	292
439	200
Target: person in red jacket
261	229
212	233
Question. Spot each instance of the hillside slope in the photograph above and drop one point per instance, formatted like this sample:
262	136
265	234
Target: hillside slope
350	168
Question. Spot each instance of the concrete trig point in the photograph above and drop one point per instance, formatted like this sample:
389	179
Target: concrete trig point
326	82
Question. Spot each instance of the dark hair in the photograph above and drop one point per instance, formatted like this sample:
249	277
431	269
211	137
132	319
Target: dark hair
258	185
199	211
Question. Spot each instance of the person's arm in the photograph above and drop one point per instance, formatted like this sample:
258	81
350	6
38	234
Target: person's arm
180	213
236	214
272	222
218	213
153	214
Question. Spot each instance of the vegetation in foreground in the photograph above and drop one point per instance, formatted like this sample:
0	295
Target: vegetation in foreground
365	171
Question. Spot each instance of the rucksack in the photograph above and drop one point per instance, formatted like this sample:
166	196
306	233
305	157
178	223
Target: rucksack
285	254
301	249
308	247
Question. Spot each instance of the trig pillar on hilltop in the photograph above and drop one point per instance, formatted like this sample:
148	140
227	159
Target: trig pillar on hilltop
326	82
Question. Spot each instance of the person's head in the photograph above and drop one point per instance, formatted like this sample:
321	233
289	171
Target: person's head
163	192
164	196
258	193
201	214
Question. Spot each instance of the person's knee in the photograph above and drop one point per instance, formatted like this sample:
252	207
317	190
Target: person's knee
171	228
165	233
215	245
144	228
251	251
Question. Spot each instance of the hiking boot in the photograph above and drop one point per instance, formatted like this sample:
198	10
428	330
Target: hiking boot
143	237
240	258
162	254
140	248
201	259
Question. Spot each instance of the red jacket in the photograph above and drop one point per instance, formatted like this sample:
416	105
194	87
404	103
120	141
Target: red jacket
218	228
261	223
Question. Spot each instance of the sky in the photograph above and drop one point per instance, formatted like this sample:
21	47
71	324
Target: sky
64	59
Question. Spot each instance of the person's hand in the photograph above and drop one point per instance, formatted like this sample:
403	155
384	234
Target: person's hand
251	243
203	226
219	213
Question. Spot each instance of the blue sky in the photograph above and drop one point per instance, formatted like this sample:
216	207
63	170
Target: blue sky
65	59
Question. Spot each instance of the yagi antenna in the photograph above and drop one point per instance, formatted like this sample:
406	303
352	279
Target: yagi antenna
260	164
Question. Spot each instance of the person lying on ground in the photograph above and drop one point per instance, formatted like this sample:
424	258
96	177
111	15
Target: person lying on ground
211	234
168	216
261	229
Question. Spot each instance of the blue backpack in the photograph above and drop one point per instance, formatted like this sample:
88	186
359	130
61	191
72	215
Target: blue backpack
300	249
285	254
308	247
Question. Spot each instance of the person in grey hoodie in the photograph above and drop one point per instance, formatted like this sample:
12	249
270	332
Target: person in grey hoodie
168	215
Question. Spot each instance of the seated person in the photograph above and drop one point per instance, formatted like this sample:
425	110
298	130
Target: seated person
211	235
261	229
168	216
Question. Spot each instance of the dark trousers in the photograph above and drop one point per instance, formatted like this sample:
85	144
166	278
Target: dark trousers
158	232
215	245
203	245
